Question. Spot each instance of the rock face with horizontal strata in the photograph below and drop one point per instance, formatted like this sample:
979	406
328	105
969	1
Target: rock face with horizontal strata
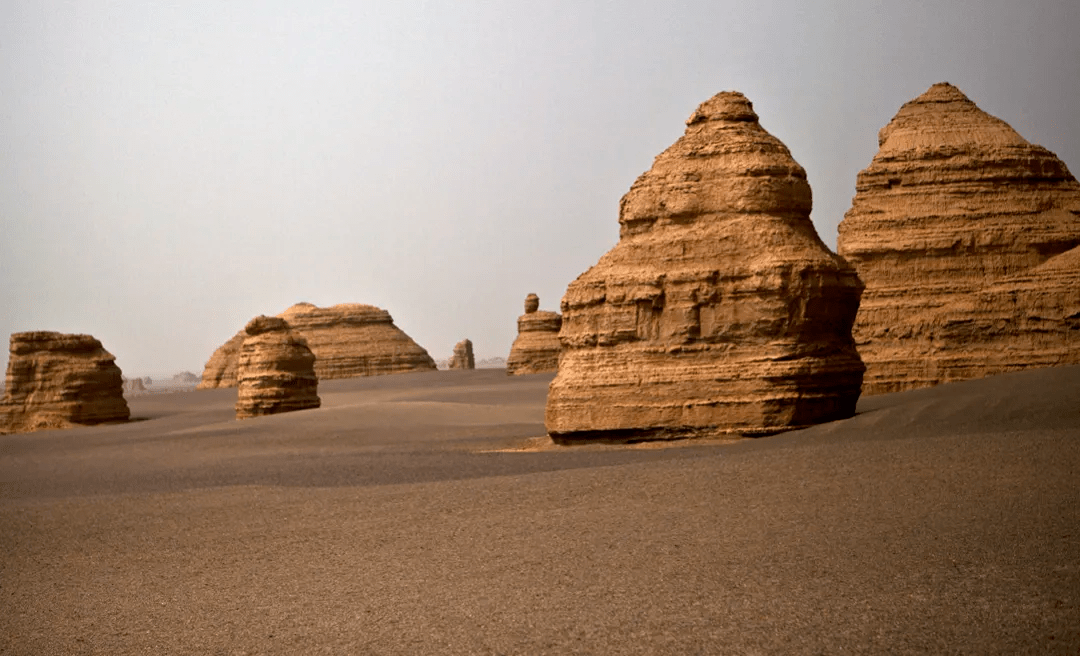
220	369
965	235
536	348
463	357
720	310
348	340
57	380
275	370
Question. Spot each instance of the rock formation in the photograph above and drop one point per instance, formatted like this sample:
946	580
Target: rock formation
348	340
463	356
56	380
220	369
720	309
185	378
964	234
275	370
134	385
536	348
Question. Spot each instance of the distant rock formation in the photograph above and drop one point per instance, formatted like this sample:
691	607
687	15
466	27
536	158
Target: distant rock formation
463	356
348	340
275	370
491	363
536	348
220	370
720	309
965	235
56	380
185	378
134	385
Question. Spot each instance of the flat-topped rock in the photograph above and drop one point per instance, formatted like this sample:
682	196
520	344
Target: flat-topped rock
949	228
348	340
536	348
275	370
720	310
58	380
463	357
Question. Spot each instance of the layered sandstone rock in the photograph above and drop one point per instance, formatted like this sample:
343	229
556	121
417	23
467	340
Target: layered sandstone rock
720	309
463	356
55	380
275	370
960	230
351	340
536	348
220	369
348	340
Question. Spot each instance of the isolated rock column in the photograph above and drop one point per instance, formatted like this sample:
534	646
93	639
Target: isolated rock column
536	348
463	356
720	309
57	380
965	235
276	370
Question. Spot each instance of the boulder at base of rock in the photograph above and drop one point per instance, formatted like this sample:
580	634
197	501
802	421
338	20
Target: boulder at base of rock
463	356
720	310
275	370
953	229
55	380
536	348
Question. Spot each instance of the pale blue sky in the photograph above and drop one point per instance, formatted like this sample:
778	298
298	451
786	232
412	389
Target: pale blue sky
171	169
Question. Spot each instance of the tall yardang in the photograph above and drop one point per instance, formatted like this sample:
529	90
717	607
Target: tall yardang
965	235
276	370
55	380
536	348
720	309
463	357
348	340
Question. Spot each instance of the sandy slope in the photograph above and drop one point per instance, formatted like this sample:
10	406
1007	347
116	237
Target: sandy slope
389	521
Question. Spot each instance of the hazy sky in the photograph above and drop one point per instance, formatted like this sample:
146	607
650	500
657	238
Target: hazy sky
169	170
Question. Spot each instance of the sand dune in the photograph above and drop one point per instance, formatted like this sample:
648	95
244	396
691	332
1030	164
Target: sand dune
413	514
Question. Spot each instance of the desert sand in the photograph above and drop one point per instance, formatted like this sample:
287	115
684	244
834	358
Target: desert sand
424	513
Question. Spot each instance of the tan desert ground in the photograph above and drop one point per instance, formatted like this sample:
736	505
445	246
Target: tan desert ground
425	513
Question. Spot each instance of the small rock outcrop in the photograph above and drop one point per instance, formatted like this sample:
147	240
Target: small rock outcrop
536	348
275	370
57	380
720	310
463	356
134	385
965	235
348	340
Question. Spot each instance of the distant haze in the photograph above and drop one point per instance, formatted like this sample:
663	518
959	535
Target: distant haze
170	170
